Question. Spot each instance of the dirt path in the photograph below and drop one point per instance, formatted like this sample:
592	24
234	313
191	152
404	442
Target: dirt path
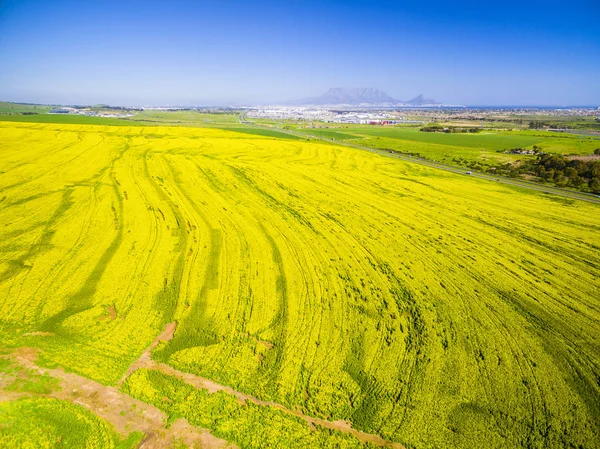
127	414
145	358
145	361
123	412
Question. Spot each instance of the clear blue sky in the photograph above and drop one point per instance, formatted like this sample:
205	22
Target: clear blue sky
220	51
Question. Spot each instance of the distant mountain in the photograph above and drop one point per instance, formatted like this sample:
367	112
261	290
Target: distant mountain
360	96
421	100
350	96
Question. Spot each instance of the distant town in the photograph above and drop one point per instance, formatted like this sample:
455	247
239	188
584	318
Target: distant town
361	117
91	112
353	115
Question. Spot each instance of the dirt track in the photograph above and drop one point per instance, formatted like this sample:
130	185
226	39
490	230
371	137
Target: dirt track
127	414
123	412
145	361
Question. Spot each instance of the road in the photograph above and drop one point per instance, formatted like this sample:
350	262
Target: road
583	196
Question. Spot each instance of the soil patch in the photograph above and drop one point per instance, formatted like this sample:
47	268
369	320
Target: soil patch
123	412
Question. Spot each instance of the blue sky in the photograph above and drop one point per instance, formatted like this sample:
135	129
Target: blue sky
221	52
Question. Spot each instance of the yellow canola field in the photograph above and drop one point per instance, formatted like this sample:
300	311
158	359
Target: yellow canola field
427	307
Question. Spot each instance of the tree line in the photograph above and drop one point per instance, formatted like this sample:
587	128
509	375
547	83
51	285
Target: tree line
581	174
435	128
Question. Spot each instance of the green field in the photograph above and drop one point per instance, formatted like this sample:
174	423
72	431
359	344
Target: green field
39	114
263	132
19	108
490	141
72	119
50	423
280	292
486	148
329	134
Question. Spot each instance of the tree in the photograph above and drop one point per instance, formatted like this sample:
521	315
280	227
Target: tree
576	181
570	172
597	151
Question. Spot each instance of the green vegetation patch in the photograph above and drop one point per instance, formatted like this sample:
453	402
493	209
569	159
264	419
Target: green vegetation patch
265	133
52	423
328	134
34	383
71	119
188	117
490	141
22	108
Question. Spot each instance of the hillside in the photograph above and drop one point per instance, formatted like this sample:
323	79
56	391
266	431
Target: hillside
420	100
286	293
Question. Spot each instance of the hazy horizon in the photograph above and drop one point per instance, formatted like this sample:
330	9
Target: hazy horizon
230	53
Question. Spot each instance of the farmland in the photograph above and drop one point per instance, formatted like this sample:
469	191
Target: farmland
486	148
309	294
7	108
564	160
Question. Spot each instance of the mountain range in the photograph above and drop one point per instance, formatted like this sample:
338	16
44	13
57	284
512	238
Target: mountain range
360	96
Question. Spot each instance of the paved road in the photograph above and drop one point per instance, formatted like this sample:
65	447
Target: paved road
591	198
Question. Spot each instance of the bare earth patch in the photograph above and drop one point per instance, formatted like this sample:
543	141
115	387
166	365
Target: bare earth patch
123	412
586	157
39	334
145	361
127	414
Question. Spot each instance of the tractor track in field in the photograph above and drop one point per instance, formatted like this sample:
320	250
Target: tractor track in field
145	362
